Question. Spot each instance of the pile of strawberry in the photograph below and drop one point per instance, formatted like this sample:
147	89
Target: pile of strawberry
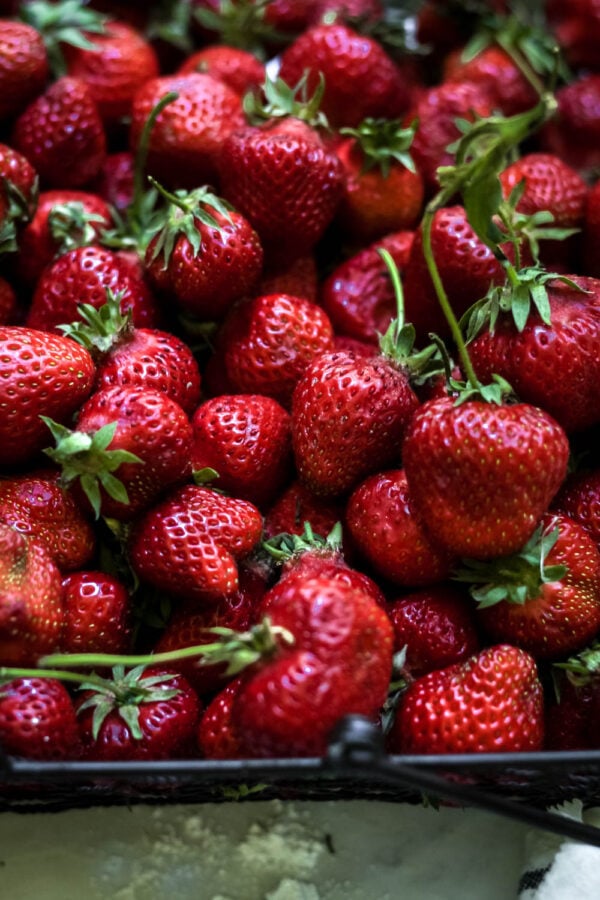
247	310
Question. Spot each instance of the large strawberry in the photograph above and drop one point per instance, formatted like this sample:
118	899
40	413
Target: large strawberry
37	719
23	66
489	703
42	374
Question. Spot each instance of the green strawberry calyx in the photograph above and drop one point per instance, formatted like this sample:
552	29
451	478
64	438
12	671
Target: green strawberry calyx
86	458
283	547
583	667
382	143
516	578
237	649
99	330
65	22
72	225
282	102
18	210
242	24
187	210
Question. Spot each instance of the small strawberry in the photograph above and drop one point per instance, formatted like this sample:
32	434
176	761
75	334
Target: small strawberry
496	75
385	531
490	703
216	732
42	374
246	439
31	606
190	543
37	506
23	66
297	505
237	68
62	136
18	196
37	719
97	614
579	499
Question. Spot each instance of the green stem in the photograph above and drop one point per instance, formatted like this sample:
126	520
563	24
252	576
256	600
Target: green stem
114	659
141	157
396	284
172	198
58	674
523	66
467	365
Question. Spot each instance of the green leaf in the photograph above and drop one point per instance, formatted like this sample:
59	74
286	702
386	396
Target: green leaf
114	488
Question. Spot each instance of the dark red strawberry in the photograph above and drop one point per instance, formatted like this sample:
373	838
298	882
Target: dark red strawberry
97	614
42	374
115	180
9	305
298	505
299	278
18	196
216	733
37	720
572	713
497	75
579	499
23	66
490	703
573	133
591	232
576	26
62	135
190	543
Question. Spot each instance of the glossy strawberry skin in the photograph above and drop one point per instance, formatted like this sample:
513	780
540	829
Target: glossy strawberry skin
360	78
386	532
358	295
187	139
83	275
480	476
573	133
552	366
493	71
37	720
67	374
566	614
340	663
118	66
550	184
37	506
62	135
238	69
285	182
206	284
23	66
579	499
189	543
154	428
217	738
348	419
297	505
31	607
17	172
246	439
489	703
97	614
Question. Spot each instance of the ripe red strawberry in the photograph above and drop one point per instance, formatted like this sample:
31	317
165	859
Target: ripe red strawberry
267	343
8	303
216	732
383	190
491	703
576	26
42	374
206	255
572	714
23	66
37	720
386	532
297	505
115	180
237	68
246	439
550	184
119	64
186	141
481	474
545	598
31	607
361	80
97	614
579	499
437	627
36	505
591	232
84	275
18	195
62	135
140	714
63	220
129	446
573	133
553	365
358	296
299	278
499	78
190	543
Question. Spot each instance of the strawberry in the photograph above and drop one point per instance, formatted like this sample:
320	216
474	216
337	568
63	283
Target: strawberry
591	232
205	256
574	132
83	276
118	64
216	732
18	195
189	543
490	703
572	714
267	343
187	138
31	606
8	303
546	597
141	435
579	499
496	75
42	373
37	719
246	439
361	80
138	714
481	474
37	506
96	614
576	26
299	278
62	136
437	627
115	180
63	220
297	505
23	66
383	190
237	68
385	531
358	296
